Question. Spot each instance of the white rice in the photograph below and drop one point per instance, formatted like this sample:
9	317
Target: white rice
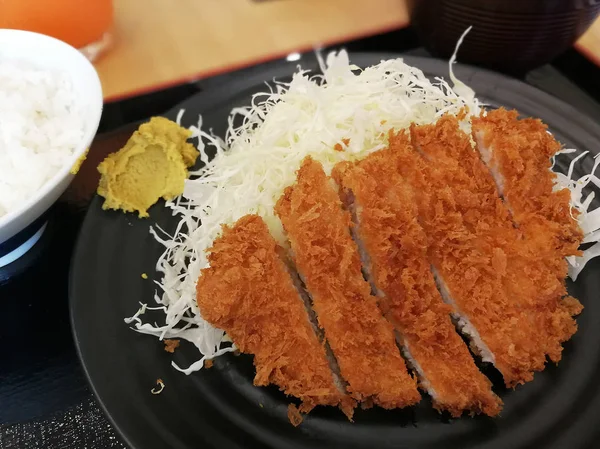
40	128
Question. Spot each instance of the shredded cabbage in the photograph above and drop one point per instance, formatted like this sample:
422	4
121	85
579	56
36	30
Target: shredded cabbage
589	221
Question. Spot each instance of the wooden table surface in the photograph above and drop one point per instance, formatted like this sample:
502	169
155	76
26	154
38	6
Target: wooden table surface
157	44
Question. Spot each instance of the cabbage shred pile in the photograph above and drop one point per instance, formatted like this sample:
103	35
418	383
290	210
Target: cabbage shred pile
344	108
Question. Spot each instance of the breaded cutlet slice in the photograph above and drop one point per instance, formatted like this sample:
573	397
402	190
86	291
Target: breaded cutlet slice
525	275
395	258
518	153
490	221
466	275
327	259
249	293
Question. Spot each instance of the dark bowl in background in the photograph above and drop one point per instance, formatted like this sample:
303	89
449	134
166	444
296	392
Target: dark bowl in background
507	35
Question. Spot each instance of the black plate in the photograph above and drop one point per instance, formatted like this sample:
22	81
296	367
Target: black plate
220	408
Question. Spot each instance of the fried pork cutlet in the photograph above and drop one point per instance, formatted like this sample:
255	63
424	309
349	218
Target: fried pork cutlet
395	256
328	261
248	292
468	276
521	270
518	154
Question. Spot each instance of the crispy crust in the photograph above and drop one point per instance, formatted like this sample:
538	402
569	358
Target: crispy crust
327	258
514	258
294	415
397	248
171	345
248	292
468	264
520	153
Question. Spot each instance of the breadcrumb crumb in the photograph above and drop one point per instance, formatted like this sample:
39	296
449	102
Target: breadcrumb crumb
294	415
171	345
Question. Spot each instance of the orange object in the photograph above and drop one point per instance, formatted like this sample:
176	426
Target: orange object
78	23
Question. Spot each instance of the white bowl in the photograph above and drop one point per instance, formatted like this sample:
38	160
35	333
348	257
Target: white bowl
47	52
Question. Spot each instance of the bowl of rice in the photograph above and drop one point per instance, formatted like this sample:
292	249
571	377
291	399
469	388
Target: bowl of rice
50	108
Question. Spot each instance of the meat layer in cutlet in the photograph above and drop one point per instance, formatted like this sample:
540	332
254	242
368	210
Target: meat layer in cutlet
385	221
518	154
327	258
248	292
467	275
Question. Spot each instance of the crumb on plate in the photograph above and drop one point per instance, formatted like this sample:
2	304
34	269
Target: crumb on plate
80	160
171	345
294	415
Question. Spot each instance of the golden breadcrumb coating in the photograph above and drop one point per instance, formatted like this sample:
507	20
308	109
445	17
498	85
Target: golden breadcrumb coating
525	278
520	154
248	292
361	339
468	265
396	244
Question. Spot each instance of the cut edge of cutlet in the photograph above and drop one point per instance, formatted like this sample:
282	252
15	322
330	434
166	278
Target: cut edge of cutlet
462	322
370	185
517	153
327	259
405	139
489	220
451	251
348	405
252	282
